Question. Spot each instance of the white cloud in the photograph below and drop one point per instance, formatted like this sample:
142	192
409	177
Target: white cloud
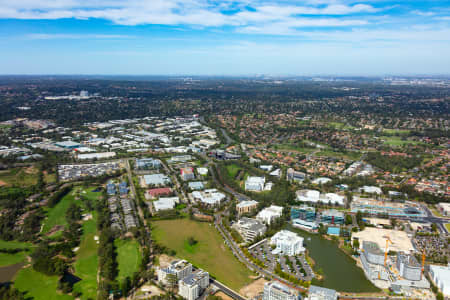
51	36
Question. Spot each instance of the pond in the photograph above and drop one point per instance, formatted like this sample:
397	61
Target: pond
340	271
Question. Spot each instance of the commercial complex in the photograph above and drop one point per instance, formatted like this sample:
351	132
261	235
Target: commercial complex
187	174
166	203
249	228
277	291
303	212
257	184
332	216
155	180
292	175
208	197
287	243
444	208
147	163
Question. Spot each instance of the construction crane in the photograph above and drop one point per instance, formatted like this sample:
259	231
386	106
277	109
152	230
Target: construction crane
388	240
423	263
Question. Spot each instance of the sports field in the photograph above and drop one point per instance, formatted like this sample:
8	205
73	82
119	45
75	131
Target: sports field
210	253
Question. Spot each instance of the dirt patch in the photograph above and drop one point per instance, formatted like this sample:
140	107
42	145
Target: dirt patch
54	230
2	183
151	290
165	260
253	289
223	296
30	170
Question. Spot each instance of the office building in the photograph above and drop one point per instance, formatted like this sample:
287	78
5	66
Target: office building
254	183
303	212
192	286
147	163
313	196
268	214
155	180
249	228
320	293
332	216
292	175
275	290
287	243
246	206
180	269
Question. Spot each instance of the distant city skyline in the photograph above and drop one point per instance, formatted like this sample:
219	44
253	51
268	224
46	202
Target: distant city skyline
212	37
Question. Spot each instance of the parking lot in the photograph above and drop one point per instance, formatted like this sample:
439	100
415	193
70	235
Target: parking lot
294	265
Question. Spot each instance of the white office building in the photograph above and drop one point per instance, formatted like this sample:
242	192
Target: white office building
275	290
254	183
313	196
268	214
192	286
287	243
180	269
441	278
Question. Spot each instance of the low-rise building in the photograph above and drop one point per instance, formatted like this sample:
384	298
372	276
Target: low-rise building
304	224
254	183
187	174
275	290
268	214
196	185
155	180
155	193
166	203
287	243
208	197
292	175
313	196
303	212
444	208
332	216
249	228
246	206
147	163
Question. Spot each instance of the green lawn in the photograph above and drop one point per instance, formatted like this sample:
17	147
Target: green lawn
210	253
128	257
447	226
57	214
38	285
87	261
395	131
233	170
397	141
7	259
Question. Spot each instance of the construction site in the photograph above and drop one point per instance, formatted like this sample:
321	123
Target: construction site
389	263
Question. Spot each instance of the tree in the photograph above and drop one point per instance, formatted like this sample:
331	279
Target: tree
348	220
355	244
192	241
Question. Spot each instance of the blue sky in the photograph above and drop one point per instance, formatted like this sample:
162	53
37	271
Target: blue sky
212	37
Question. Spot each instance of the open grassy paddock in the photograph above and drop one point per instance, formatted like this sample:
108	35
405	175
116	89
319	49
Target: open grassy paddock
57	214
210	253
128	258
7	259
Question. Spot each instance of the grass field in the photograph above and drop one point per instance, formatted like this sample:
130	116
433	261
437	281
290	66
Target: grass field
128	257
397	141
19	176
38	285
447	226
87	261
210	253
347	155
57	214
291	147
395	131
233	170
11	259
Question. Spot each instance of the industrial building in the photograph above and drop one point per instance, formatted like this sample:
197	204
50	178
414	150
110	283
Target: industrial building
166	203
275	290
155	180
249	228
287	243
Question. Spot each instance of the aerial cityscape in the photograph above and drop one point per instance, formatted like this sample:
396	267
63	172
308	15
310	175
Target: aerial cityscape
224	150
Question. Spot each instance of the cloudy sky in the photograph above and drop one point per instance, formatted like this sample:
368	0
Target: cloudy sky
227	37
